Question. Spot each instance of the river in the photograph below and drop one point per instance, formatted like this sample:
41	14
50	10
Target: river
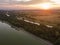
11	36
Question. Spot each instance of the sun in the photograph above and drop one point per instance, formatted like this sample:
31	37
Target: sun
44	6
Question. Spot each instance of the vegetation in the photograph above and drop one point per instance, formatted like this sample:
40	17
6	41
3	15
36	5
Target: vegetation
42	31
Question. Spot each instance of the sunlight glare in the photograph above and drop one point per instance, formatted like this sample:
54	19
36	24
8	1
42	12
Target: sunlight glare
43	6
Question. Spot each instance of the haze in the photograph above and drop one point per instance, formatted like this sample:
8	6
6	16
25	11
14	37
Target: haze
28	4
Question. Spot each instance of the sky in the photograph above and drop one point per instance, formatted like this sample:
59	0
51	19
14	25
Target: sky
24	4
20	1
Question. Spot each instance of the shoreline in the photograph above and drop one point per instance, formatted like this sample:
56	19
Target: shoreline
42	31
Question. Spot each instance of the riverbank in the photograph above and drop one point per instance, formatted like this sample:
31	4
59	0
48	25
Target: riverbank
42	31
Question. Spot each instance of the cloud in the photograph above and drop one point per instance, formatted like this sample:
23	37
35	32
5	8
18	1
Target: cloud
24	2
14	7
20	4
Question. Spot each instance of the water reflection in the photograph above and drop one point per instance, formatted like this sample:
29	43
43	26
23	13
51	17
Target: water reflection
10	35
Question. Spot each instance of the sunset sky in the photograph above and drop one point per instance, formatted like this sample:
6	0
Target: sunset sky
29	4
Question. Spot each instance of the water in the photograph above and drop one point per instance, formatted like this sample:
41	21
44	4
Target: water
11	36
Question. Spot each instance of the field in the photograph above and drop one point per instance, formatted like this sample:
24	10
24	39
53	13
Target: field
51	17
49	20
